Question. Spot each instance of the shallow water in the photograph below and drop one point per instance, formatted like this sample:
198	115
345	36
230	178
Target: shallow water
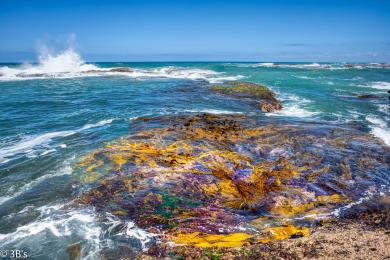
50	119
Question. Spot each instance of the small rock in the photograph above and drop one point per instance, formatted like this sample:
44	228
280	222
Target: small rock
269	106
74	251
368	96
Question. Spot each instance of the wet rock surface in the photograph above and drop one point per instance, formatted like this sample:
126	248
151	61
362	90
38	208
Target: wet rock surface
210	181
260	94
368	96
121	70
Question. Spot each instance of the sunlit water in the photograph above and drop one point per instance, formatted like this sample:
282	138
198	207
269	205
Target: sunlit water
54	112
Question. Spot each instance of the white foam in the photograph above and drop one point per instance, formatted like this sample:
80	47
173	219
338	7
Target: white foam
140	234
212	111
98	124
63	65
69	64
292	107
263	64
303	77
64	224
379	129
314	65
128	229
177	73
222	79
378	85
292	111
385	108
367	196
28	144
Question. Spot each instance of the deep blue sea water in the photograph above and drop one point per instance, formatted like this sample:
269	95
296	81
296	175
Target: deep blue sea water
54	112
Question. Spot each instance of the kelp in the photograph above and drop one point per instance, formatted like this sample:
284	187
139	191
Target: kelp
218	181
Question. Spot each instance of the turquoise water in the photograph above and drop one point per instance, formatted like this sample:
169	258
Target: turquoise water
51	116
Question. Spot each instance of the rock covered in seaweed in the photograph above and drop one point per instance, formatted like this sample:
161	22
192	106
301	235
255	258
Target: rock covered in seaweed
217	181
256	92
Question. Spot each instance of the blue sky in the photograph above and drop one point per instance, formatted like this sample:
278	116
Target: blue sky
296	30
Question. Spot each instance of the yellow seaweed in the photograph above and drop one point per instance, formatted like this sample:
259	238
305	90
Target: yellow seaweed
198	239
284	232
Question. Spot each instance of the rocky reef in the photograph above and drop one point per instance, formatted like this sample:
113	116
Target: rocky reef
261	95
208	181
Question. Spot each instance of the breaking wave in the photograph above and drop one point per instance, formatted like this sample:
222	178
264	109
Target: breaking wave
293	111
378	85
379	129
293	107
65	64
69	64
314	65
69	225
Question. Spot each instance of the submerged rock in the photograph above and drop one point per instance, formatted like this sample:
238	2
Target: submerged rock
218	181
121	70
256	92
368	96
26	75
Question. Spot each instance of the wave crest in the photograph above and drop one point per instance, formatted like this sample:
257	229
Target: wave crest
69	64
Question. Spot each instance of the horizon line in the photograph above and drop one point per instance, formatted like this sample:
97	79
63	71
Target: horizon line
213	61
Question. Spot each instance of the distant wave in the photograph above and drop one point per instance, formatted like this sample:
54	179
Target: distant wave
98	124
303	77
378	85
212	111
69	64
314	65
27	145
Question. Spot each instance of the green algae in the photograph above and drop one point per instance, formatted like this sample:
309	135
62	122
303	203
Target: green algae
262	95
245	89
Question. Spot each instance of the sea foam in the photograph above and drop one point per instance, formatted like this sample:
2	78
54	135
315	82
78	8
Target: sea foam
379	128
378	85
63	65
69	64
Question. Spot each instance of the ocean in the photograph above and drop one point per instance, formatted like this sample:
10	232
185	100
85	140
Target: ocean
57	111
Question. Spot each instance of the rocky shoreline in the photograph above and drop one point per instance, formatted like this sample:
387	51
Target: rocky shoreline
233	187
358	236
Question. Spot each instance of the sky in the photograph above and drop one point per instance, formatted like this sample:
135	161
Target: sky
263	30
